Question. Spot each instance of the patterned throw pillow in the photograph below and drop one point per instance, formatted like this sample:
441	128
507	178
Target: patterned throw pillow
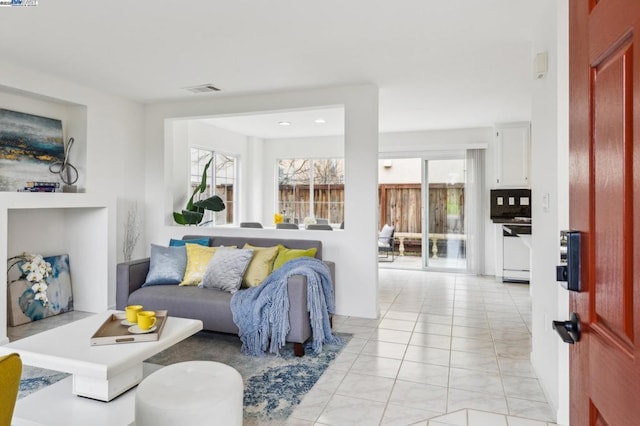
226	268
287	254
166	265
198	258
260	266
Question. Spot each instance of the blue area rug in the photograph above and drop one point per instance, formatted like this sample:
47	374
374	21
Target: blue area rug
34	379
274	385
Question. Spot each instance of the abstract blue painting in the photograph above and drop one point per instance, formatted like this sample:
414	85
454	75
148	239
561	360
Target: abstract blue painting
28	144
23	307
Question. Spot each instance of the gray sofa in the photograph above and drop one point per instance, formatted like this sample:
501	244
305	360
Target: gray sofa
212	306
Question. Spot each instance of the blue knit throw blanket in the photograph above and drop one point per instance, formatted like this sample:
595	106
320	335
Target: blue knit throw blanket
262	313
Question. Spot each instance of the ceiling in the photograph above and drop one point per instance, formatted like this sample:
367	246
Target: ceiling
273	125
438	64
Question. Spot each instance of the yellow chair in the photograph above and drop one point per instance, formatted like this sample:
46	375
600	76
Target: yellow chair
10	373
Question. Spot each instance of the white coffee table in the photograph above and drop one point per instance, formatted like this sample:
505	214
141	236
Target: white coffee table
98	372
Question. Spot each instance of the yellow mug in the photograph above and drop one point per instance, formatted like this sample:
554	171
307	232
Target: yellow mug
146	319
132	313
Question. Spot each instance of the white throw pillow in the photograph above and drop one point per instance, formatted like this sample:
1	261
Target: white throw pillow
386	231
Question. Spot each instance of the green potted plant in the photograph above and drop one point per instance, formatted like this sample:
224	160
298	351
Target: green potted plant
194	211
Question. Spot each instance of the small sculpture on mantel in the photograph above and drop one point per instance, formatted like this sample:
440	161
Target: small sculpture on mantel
67	171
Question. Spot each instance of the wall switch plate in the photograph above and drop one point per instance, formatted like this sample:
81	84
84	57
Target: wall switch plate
524	201
500	201
512	201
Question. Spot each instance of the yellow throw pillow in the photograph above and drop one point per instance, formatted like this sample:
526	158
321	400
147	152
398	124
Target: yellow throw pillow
260	266
198	258
286	254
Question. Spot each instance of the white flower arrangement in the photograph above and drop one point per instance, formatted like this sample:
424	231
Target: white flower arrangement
35	270
309	220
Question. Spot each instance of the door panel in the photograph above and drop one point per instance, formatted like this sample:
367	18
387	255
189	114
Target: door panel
604	201
612	144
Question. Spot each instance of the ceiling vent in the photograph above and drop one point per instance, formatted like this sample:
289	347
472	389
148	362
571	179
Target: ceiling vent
203	88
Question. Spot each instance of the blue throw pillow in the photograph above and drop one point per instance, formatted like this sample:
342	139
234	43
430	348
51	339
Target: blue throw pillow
178	243
166	266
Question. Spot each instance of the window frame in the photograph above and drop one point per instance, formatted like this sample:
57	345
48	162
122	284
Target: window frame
310	183
209	219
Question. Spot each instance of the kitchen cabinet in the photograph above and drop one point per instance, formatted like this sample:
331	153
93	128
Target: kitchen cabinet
513	150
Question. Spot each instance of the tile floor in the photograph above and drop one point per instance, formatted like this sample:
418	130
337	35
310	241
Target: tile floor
448	349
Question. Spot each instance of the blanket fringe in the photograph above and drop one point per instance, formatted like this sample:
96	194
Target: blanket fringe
262	313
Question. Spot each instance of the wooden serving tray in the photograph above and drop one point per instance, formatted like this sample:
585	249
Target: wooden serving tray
112	332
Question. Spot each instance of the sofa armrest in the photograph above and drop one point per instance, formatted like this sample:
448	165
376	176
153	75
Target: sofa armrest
300	326
332	270
129	277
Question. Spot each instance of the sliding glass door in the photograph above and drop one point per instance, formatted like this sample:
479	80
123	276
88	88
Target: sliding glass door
444	232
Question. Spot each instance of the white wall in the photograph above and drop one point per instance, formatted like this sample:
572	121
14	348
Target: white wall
354	250
110	157
400	170
440	144
254	208
549	148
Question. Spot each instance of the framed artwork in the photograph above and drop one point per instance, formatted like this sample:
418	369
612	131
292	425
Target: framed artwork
22	305
28	145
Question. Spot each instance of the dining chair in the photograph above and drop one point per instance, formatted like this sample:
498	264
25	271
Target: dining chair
250	225
320	226
287	226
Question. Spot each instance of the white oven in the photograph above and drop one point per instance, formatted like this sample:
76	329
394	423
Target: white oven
516	252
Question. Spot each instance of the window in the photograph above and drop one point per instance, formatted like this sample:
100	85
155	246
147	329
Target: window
221	176
311	188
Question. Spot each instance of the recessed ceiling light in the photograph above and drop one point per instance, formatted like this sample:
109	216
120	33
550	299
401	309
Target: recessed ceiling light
284	123
320	121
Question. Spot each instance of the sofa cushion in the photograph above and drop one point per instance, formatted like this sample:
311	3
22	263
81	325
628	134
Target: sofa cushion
386	232
166	265
226	268
212	306
286	254
198	258
260	266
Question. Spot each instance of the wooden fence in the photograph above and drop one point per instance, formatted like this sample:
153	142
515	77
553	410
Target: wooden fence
328	202
400	205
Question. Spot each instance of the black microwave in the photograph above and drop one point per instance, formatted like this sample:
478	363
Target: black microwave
510	205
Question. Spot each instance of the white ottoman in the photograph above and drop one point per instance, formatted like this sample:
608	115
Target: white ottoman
190	393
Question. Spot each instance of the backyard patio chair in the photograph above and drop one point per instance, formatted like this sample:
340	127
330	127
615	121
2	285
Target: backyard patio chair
386	243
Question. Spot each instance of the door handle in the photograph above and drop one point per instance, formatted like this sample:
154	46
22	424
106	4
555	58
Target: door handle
569	331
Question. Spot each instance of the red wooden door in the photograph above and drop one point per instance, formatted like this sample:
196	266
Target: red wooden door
605	207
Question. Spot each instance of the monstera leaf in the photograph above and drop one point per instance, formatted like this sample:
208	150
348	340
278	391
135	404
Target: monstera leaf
194	211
